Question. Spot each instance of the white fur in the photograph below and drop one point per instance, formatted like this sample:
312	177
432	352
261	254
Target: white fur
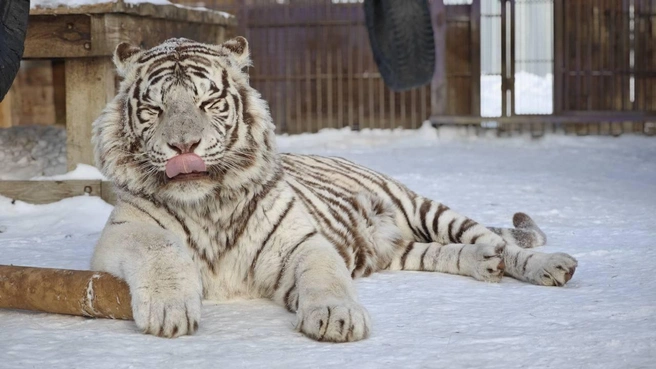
294	229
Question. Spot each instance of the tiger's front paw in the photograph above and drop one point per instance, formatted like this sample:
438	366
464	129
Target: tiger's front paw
166	308
340	321
551	269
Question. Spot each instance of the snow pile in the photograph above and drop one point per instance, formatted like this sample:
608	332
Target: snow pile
29	151
81	171
593	196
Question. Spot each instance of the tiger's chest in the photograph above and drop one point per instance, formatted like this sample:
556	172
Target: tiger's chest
218	247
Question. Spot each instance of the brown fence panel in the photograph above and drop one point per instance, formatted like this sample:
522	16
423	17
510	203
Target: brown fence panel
313	64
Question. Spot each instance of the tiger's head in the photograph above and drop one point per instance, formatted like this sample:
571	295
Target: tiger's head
185	123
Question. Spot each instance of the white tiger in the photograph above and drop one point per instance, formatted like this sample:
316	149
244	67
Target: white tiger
207	208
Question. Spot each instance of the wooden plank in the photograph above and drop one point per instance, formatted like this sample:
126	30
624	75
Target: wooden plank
171	12
58	36
109	30
75	36
43	192
93	82
35	97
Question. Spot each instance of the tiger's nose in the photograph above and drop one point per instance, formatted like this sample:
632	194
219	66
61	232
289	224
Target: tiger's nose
184	147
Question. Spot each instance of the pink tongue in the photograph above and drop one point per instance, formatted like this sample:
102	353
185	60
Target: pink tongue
183	164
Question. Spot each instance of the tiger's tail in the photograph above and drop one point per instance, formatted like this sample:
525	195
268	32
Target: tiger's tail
526	233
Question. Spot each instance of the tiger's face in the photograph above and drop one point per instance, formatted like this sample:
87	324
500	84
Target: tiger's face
185	122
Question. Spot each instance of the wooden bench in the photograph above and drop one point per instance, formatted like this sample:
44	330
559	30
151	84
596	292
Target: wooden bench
85	38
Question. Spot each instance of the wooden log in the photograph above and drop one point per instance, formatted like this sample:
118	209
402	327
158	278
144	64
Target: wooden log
60	291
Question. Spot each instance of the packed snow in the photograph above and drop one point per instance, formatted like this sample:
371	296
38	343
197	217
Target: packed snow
593	196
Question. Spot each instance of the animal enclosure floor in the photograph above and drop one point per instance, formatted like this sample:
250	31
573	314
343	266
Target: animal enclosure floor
595	198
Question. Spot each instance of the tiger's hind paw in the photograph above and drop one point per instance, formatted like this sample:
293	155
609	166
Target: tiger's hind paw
552	269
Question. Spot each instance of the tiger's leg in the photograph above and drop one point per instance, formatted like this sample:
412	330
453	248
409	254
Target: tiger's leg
483	262
431	221
437	223
315	282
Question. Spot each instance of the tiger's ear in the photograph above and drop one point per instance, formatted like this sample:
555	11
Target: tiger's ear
238	48
124	55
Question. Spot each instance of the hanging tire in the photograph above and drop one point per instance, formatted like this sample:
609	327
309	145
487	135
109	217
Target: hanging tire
401	38
13	27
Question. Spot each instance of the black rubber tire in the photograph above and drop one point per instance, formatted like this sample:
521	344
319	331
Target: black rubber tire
13	27
401	37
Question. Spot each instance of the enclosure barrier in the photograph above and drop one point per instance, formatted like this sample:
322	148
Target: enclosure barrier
60	291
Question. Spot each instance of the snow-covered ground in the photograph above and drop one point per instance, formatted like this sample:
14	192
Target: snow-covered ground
594	197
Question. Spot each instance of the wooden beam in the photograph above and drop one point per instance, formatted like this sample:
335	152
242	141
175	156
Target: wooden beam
171	12
79	36
45	192
109	30
58	37
90	86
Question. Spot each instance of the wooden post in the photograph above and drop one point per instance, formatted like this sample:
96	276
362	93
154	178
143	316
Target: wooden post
439	87
90	86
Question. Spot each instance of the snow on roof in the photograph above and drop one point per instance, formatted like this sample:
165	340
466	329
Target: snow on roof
77	3
49	4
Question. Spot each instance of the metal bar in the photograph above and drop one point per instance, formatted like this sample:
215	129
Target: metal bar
590	35
308	93
360	48
512	57
475	42
319	55
331	71
288	73
558	57
349	76
504	60
584	118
